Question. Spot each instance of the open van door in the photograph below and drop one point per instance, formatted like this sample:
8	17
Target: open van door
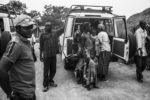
120	45
68	38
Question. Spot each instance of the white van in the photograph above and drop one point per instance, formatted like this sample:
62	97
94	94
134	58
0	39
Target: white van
115	27
6	19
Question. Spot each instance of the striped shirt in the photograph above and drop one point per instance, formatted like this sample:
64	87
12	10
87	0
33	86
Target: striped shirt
49	43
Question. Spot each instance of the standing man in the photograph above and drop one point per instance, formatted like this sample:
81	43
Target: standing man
104	55
17	70
141	54
48	51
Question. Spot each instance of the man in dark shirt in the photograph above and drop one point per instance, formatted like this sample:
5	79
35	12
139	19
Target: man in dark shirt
17	70
48	51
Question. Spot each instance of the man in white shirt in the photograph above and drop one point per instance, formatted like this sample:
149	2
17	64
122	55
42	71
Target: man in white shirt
104	56
141	54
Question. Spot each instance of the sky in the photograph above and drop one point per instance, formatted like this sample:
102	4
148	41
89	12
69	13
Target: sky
120	7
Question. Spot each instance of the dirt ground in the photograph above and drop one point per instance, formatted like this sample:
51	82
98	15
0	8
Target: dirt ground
121	84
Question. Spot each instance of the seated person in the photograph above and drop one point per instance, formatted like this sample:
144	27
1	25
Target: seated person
79	71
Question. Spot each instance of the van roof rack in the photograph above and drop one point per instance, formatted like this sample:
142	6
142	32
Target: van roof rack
107	9
8	9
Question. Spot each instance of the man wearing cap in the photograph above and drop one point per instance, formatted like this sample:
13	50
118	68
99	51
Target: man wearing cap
17	70
104	55
141	54
48	51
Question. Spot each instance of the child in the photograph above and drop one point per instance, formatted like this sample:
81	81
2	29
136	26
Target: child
96	41
90	71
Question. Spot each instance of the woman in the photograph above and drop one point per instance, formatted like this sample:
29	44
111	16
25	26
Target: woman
104	56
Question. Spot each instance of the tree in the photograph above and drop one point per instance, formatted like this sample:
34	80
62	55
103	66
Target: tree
35	15
18	6
54	14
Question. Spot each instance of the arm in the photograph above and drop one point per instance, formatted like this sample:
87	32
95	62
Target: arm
60	31
13	51
138	41
5	65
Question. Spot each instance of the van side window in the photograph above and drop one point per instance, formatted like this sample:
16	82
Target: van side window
120	25
109	27
69	27
12	28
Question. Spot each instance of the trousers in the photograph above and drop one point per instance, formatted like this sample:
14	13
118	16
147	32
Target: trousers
104	59
141	63
49	70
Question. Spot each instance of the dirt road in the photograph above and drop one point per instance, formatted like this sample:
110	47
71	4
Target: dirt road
122	84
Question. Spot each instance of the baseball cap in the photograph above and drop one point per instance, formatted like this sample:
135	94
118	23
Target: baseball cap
23	20
47	23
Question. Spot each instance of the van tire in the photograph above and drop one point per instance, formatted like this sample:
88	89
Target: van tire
66	64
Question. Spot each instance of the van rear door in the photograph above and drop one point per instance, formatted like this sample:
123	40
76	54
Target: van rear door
68	38
120	46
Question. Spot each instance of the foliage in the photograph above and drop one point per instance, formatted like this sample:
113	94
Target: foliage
133	21
54	14
18	6
35	15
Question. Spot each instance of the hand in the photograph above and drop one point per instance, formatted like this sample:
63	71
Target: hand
41	59
84	76
140	51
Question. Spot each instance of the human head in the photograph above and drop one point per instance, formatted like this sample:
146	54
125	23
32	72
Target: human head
24	25
100	21
101	27
142	24
48	26
94	32
78	27
92	54
86	27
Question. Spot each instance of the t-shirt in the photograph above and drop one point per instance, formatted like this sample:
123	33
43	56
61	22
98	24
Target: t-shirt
104	41
49	43
141	35
22	73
